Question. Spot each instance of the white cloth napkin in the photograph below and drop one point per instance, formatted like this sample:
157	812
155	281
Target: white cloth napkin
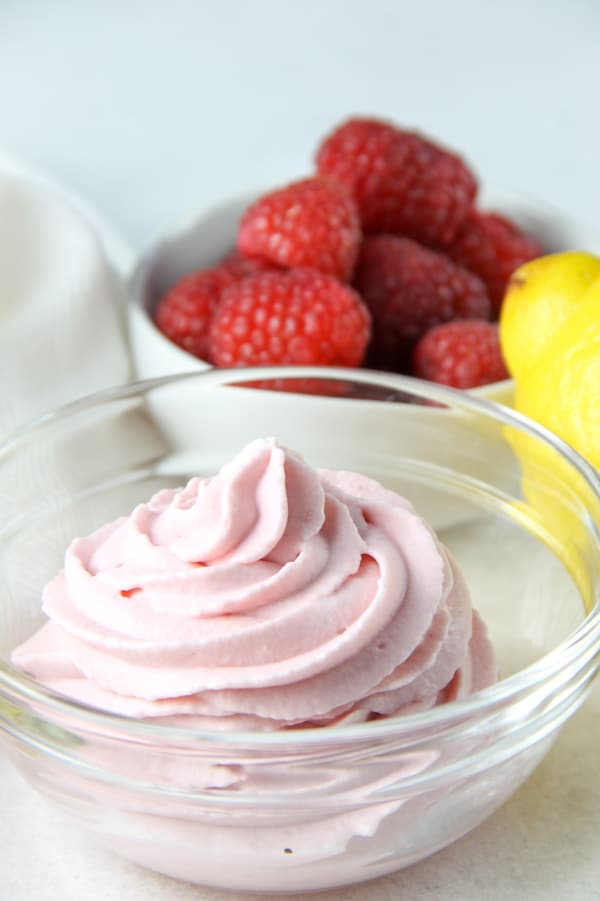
61	323
62	336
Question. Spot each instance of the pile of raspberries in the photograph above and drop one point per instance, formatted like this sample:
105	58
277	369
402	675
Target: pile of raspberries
381	259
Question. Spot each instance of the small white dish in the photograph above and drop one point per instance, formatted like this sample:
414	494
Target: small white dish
206	240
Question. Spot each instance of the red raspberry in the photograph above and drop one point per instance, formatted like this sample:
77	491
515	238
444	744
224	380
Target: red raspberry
492	247
185	312
240	265
439	198
464	354
295	317
409	289
312	223
402	183
375	161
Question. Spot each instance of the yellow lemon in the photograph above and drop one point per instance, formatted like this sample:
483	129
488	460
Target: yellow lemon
550	337
540	296
562	391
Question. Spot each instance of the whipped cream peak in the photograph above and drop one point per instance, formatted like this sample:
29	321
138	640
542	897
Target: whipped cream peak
271	592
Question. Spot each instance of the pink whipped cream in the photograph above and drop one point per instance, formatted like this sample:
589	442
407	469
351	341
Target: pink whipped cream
270	596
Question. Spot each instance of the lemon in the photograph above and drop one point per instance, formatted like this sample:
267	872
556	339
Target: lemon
540	296
563	390
550	338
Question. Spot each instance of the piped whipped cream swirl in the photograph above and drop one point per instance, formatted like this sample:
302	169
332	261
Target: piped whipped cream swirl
270	596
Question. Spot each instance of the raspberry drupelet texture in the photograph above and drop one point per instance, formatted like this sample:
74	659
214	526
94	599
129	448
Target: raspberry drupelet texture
409	289
375	161
293	317
312	223
492	247
185	312
403	184
463	354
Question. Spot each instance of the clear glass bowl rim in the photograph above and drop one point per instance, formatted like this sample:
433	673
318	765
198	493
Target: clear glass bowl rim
577	649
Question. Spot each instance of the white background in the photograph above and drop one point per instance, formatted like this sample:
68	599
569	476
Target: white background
151	111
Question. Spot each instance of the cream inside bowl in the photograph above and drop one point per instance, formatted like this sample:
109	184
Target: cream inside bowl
310	808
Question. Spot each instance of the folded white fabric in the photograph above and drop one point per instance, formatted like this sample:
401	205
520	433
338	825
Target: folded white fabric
61	323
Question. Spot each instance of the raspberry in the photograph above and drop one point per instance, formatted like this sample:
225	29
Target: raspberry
185	312
239	265
409	289
492	247
312	223
293	317
402	183
439	198
375	161
464	354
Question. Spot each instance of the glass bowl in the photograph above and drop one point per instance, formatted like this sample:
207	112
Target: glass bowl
307	809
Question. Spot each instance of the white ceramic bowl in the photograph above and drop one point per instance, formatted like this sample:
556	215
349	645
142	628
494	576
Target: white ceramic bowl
205	241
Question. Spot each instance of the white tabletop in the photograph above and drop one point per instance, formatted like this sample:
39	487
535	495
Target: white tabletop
151	111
